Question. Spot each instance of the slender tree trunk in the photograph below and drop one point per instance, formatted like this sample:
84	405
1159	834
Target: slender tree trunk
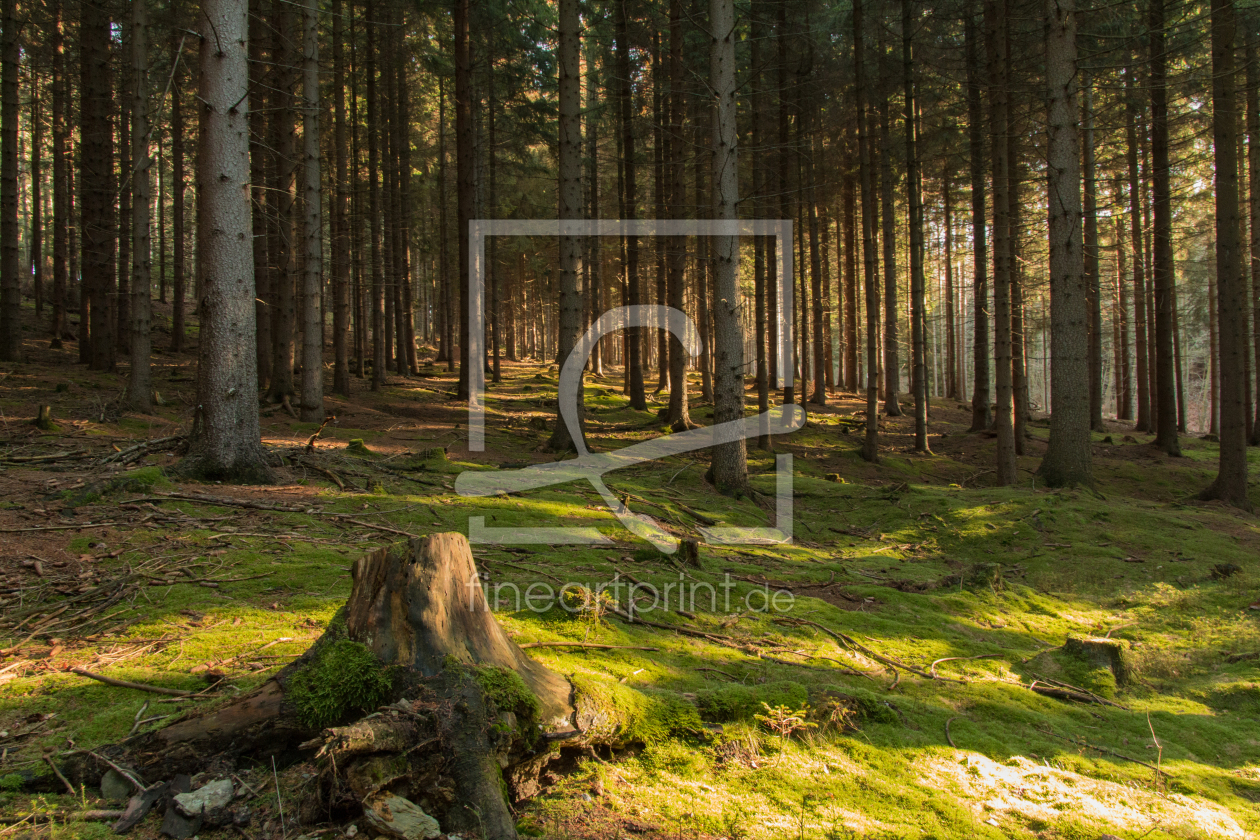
312	405
464	176
918	306
980	417
35	269
819	396
61	187
679	415
594	250
446	341
892	356
1231	480
341	237
729	468
1162	233
1092	284
1124	388
953	371
139	383
121	301
261	165
570	192
1143	423
374	128
225	442
1253	82
848	187
1019	363
625	93
283	277
782	181
995	13
178	231
98	221
870	445
659	118
1068	459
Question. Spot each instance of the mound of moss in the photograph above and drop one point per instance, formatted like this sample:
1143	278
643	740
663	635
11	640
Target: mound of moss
742	702
344	678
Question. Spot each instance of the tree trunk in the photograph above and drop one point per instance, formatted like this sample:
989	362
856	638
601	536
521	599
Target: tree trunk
819	395
1093	289
848	187
870	445
778	344
341	236
995	14
1143	423
464	164
225	441
1162	235
625	94
1231	480
98	220
1124	370
35	269
729	468
283	276
61	188
446	307
918	306
980	417
594	246
125	95
375	126
1019	362
262	77
570	194
1068	459
312	405
888	217
139	383
953	360
1253	204
178	230
679	415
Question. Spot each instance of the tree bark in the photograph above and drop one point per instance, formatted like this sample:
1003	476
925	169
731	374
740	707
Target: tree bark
870	444
570	194
729	467
341	236
1162	235
98	220
918	305
679	414
1124	369
953	359
178	229
283	261
35	256
888	218
996	14
1068	459
1253	205
375	127
261	153
225	441
1092	285
625	95
1143	423
312	405
140	383
980	416
61	186
1230	485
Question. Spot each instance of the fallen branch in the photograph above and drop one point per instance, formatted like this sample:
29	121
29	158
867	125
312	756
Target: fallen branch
156	689
932	667
67	816
854	645
947	737
58	527
586	645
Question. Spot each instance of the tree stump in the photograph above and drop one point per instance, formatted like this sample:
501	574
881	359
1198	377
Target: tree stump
1101	653
413	691
43	420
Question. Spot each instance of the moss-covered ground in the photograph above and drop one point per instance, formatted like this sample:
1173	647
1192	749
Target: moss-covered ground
918	559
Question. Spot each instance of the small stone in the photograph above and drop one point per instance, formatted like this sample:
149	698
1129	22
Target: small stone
352	830
208	797
115	787
401	818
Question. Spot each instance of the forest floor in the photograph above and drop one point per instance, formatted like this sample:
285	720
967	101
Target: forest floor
110	564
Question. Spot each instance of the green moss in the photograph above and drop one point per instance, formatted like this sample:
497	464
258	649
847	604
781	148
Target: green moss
627	715
11	782
345	677
507	691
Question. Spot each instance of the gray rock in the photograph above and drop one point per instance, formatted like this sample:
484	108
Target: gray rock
400	818
115	787
209	797
176	825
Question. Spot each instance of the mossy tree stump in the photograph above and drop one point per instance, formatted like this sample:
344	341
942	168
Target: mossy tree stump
414	690
1101	653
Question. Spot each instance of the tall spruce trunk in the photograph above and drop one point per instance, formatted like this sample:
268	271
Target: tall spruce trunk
1253	205
980	404
729	467
61	185
570	194
1068	459
679	414
375	127
918	307
848	188
817	299
625	96
1162	235
283	275
1093	289
341	238
870	444
464	191
35	255
1143	423
996	25
1122	362
139	383
312	404
888	219
953	358
178	229
98	224
1230	485
225	442
260	155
